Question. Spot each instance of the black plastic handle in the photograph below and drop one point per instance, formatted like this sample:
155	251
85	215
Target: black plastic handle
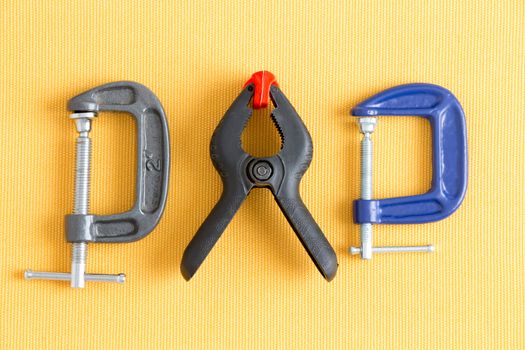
310	235
152	164
210	231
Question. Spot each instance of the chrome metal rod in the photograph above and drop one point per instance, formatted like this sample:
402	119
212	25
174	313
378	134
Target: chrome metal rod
401	249
66	276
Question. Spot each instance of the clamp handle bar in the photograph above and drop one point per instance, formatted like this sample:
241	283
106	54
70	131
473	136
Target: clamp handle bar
449	155
152	164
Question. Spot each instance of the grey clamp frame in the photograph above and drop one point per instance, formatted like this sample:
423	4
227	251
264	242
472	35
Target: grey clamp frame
151	179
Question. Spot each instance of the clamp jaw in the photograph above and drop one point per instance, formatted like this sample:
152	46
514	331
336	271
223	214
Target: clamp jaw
449	157
241	172
151	184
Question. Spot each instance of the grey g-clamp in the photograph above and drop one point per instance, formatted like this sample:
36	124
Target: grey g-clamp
151	180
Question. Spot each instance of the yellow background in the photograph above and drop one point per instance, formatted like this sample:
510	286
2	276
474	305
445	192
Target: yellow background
258	288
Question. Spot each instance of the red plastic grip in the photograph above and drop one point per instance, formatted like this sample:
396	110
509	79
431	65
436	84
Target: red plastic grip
262	81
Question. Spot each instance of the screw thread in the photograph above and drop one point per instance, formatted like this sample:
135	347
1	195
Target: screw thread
366	167
79	254
82	187
82	175
366	184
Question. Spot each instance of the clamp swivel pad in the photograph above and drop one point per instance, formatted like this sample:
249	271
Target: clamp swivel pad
151	180
449	156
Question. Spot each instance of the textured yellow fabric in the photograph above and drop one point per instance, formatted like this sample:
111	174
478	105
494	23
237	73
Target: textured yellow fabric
258	288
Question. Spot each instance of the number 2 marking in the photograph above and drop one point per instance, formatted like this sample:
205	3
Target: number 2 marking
151	163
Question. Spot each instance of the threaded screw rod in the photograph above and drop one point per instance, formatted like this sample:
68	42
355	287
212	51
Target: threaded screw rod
366	126
82	190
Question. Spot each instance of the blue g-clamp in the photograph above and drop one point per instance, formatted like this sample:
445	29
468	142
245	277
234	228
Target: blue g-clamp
449	162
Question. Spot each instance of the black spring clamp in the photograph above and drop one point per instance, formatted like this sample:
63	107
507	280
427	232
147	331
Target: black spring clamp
241	172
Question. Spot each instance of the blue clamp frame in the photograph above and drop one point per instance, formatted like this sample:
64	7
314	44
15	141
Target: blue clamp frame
449	155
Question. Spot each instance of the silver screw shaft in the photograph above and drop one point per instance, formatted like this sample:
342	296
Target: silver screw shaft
367	126
82	188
